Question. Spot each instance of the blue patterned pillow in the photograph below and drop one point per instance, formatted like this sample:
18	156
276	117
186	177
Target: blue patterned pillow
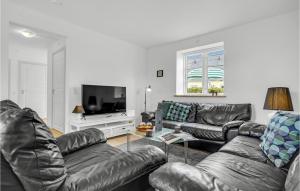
281	138
178	112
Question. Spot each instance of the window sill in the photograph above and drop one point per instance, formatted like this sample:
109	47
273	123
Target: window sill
198	95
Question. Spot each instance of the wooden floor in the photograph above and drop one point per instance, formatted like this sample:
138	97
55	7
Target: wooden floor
114	141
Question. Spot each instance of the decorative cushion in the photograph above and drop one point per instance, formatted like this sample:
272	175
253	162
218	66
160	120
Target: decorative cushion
30	150
164	106
281	138
178	112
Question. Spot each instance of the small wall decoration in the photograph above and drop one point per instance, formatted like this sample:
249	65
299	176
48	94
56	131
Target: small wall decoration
159	73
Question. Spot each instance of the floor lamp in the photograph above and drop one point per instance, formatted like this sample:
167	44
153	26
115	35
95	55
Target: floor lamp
147	89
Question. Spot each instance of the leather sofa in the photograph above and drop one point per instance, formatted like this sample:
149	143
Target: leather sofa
32	159
212	123
238	165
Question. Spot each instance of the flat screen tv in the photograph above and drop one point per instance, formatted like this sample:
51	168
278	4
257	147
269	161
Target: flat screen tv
103	99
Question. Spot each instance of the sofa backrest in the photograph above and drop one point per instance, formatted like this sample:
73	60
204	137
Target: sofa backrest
292	182
29	149
219	114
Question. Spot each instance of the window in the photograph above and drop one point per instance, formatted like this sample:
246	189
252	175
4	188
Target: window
200	70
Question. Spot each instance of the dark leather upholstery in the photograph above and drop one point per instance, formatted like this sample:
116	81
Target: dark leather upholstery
31	158
204	131
119	170
243	173
72	142
183	177
219	114
214	122
252	129
31	151
245	147
292	182
238	165
171	124
9	181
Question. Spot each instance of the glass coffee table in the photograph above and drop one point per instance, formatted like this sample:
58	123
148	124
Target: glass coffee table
184	138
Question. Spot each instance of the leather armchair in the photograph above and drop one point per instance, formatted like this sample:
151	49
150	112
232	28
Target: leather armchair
148	117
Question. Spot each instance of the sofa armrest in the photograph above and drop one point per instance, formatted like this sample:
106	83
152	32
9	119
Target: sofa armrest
252	129
118	171
230	129
183	177
71	142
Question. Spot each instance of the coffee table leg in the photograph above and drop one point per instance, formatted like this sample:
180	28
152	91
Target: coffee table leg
186	146
128	141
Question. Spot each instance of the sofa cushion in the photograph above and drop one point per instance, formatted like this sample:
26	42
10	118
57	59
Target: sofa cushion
242	173
171	124
247	147
292	182
164	106
97	153
71	142
112	170
193	111
30	149
281	139
203	131
178	112
219	114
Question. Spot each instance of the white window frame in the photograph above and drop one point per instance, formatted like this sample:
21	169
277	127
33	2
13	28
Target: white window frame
181	89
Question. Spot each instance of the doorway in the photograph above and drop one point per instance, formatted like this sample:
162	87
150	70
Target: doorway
37	61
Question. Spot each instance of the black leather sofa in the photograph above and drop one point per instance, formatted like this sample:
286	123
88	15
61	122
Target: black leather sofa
238	165
212	123
32	160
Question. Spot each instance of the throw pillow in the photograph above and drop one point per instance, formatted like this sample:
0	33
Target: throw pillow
164	106
281	138
178	112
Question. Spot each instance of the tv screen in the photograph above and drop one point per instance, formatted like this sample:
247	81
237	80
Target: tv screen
103	99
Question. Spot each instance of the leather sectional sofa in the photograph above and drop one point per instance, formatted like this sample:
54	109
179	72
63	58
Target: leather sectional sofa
31	159
238	165
212	123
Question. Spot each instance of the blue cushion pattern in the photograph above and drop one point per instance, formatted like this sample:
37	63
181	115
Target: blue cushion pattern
178	112
281	138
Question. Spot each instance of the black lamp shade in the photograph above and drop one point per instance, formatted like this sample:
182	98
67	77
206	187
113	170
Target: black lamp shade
278	98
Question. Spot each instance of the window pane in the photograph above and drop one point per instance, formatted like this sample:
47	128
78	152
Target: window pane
194	73
216	79
216	58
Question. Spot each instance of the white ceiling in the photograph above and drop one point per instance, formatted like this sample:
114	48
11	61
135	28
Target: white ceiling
152	22
42	40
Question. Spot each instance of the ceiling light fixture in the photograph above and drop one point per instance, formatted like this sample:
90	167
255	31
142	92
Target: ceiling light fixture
27	33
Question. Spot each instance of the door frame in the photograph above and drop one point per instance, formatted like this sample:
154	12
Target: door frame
50	66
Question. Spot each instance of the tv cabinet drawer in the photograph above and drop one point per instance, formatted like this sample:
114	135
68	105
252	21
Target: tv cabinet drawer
120	130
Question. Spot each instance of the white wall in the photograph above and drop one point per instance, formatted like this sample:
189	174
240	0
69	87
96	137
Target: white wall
4	50
92	58
26	53
258	55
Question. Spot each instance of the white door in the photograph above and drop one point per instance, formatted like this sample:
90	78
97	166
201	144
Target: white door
58	89
33	87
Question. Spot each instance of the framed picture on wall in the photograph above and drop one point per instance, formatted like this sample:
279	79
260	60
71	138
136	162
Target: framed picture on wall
159	73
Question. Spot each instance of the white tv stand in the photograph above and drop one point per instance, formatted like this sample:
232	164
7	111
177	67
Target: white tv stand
110	125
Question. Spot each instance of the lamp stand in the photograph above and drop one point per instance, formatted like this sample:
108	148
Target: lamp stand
145	100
